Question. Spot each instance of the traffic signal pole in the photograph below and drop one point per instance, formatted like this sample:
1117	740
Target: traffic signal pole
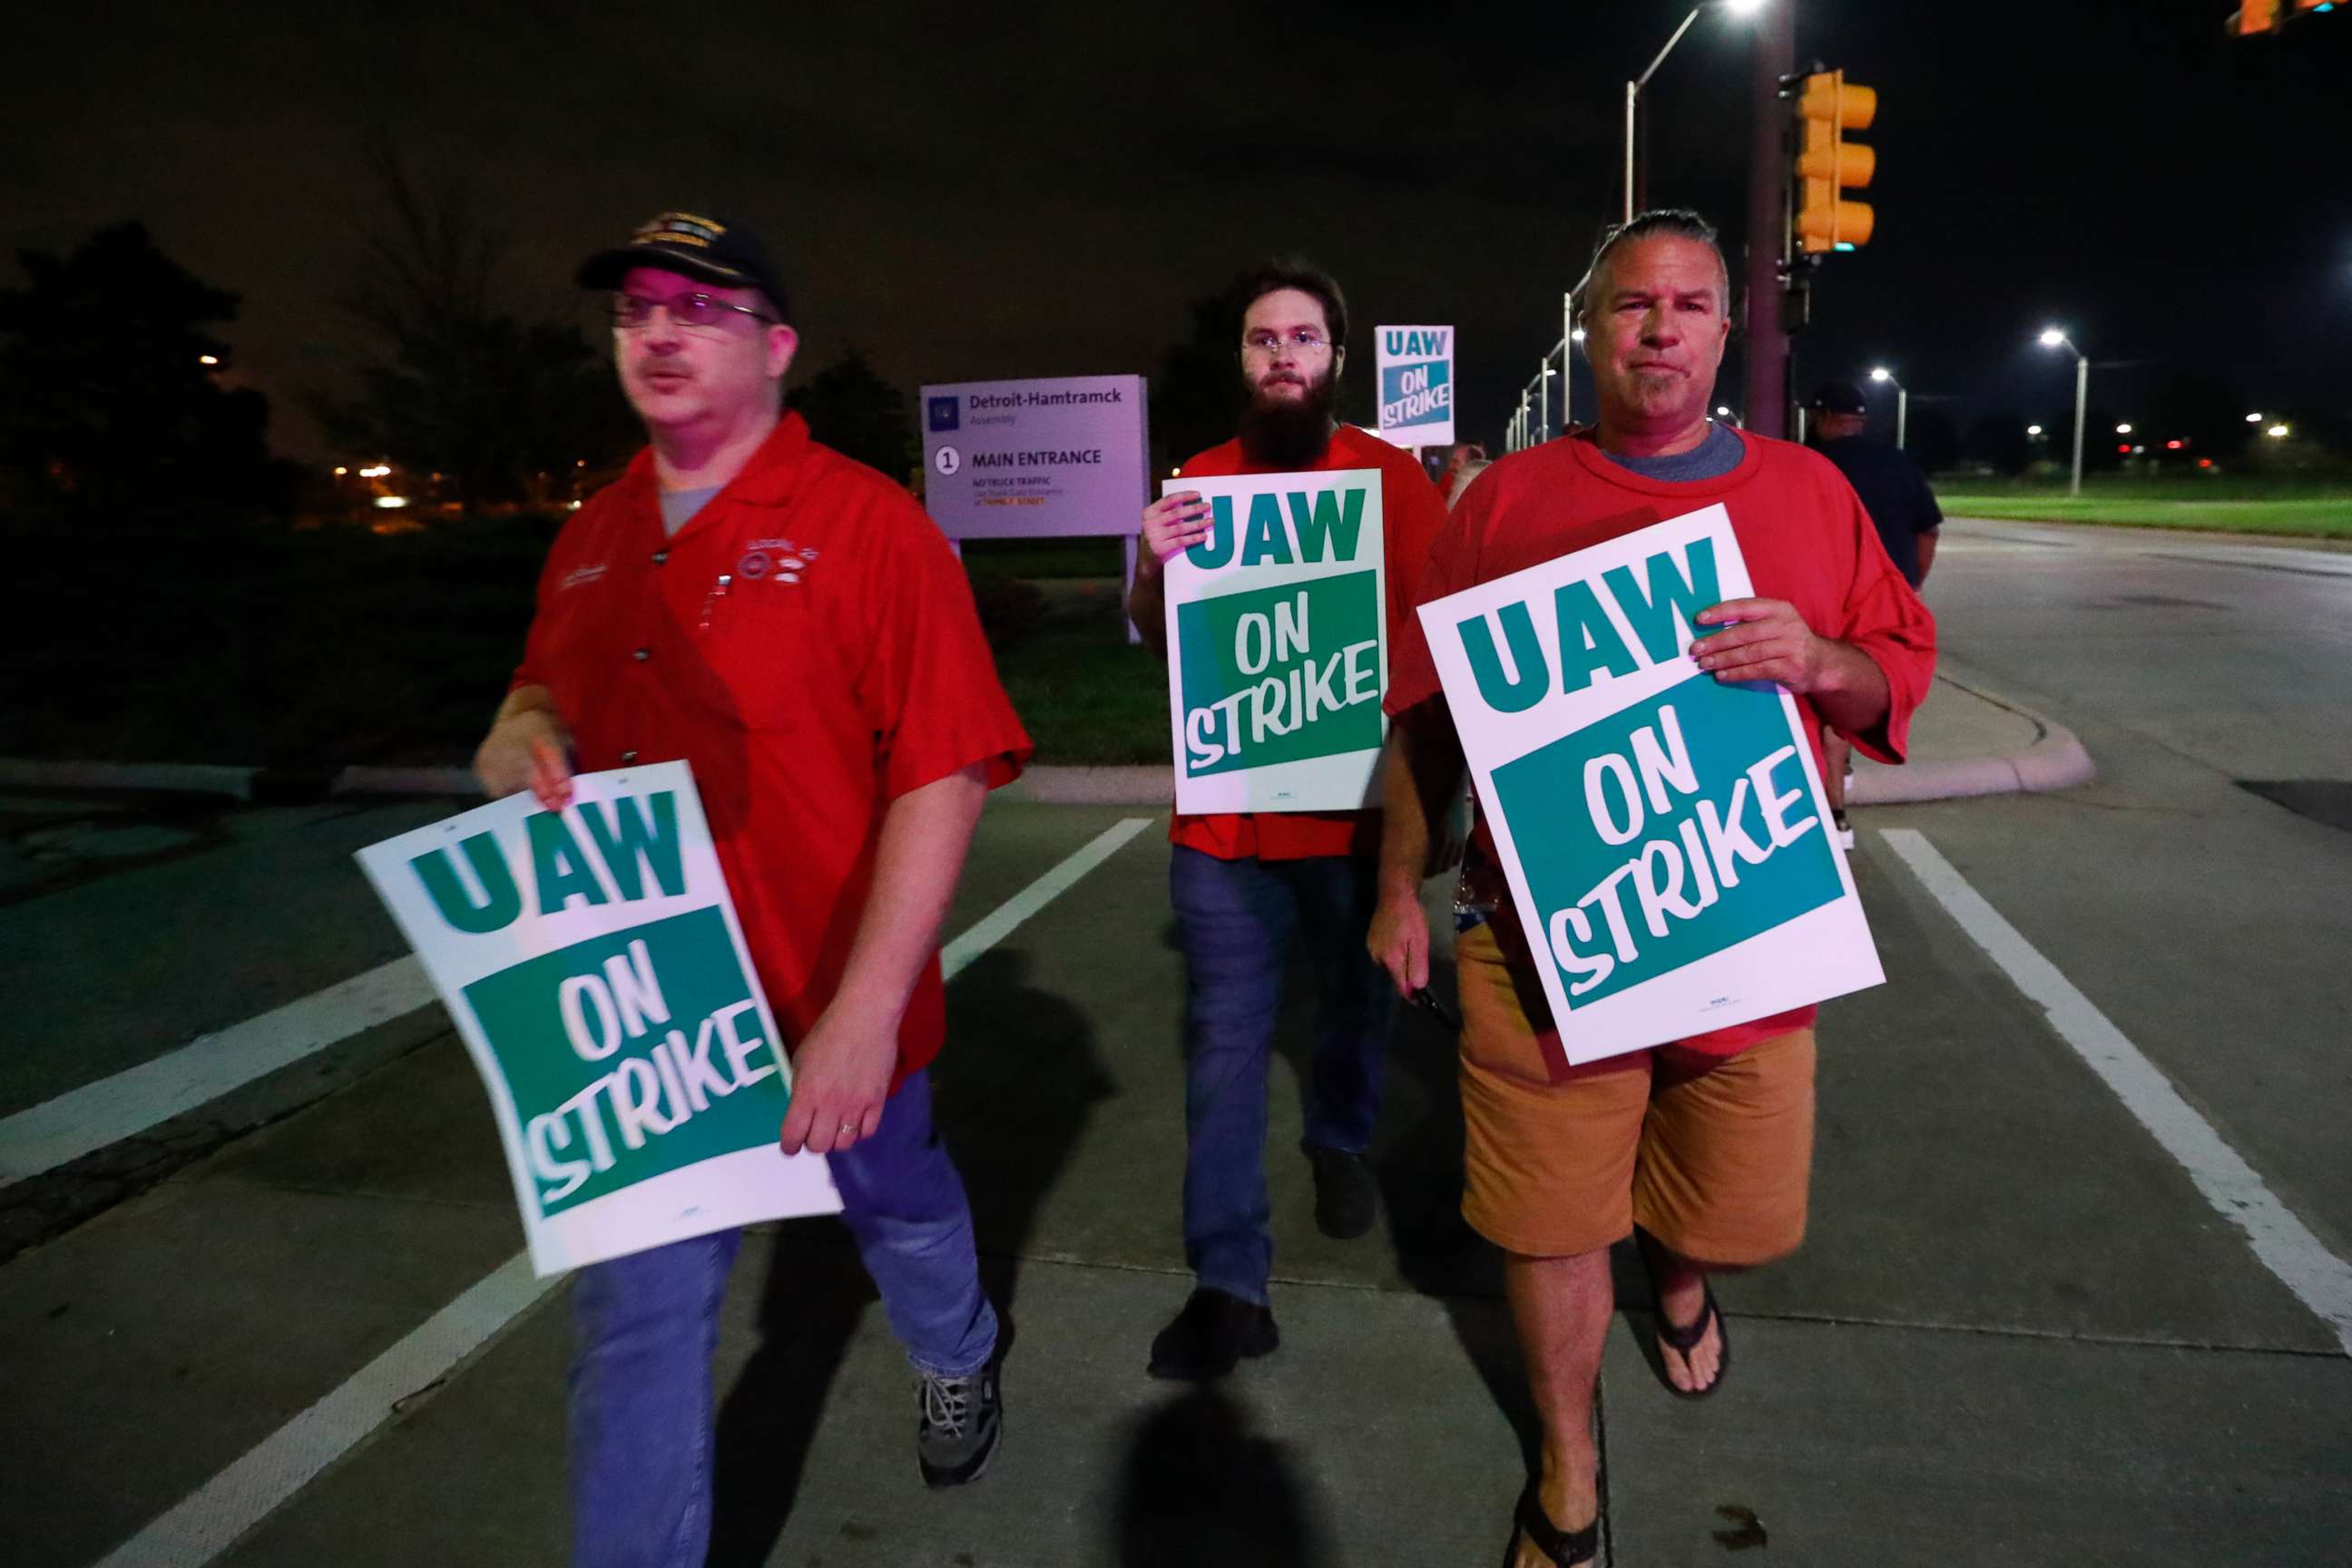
1767	357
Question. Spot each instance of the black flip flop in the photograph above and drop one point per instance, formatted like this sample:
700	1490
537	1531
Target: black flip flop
1563	1548
1686	1340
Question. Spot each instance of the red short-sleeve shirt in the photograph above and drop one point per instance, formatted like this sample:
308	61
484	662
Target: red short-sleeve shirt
1801	529
1411	515
807	643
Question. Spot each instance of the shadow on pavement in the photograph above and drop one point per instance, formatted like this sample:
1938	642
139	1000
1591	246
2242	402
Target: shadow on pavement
1008	1044
1417	1159
814	1296
1198	1486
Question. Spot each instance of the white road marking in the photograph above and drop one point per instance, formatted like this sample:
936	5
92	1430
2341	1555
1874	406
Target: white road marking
83	1120
208	1520
999	922
2285	1246
215	1516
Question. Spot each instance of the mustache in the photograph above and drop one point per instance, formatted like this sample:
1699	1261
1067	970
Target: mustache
663	367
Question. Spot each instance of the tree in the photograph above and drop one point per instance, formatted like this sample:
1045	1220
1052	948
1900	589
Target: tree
109	395
854	411
2202	411
1934	445
463	387
1999	441
1197	399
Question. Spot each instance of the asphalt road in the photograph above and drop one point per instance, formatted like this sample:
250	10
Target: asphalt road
2075	1287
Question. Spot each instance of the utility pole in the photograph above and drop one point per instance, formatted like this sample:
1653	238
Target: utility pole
1767	355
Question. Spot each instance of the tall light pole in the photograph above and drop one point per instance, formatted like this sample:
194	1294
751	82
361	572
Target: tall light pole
1902	402
2052	338
1570	335
1633	88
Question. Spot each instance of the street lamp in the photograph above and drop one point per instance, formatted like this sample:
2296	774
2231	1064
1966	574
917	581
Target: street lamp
2123	429
1633	88
2034	431
1901	403
2052	338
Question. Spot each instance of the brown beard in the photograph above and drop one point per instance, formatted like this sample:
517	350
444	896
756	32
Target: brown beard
1290	432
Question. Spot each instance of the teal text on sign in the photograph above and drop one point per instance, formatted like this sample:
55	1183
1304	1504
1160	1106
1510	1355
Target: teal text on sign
631	1054
1281	674
1662	606
635	841
1298	527
1667	832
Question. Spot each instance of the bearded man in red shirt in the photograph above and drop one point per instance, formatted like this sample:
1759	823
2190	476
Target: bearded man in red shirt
1241	883
1701	1148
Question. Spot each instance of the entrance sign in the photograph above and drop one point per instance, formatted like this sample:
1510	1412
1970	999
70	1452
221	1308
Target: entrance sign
1061	459
1277	644
593	963
1664	835
1416	372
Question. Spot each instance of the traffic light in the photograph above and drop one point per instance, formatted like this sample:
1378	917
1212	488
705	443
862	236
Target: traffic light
2255	17
1829	165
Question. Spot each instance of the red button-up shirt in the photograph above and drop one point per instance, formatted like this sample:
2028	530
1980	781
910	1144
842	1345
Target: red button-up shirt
807	643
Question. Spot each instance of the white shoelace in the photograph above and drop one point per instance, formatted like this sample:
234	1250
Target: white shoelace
946	1402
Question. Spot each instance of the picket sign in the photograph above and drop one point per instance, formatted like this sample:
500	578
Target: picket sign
1664	835
1277	644
593	965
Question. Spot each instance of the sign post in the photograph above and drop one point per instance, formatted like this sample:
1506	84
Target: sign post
1665	836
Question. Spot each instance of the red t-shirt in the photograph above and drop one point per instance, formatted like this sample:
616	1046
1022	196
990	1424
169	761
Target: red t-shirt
1806	540
1411	515
807	643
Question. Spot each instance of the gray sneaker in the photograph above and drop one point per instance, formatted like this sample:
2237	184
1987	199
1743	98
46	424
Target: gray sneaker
963	1423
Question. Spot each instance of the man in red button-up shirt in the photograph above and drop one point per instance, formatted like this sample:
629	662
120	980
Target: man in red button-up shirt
1241	883
792	624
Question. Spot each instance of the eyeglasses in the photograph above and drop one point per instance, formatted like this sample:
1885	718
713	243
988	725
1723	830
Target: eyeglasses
1304	341
695	313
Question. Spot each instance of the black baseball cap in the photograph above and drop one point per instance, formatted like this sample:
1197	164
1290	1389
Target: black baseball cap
708	249
1837	397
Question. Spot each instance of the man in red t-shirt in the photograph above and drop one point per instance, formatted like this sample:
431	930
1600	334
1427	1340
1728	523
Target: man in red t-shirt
1242	884
792	624
1701	1148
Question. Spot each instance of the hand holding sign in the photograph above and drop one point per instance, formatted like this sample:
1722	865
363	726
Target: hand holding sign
1175	522
526	749
1769	640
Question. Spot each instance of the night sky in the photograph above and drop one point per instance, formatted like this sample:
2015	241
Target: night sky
985	190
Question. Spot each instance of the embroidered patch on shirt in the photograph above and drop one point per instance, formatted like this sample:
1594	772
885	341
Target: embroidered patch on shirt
776	558
579	574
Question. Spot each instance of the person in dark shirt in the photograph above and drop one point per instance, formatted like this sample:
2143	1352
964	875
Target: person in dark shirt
1901	506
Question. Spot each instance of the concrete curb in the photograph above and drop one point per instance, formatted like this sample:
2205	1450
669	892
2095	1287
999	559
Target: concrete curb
2054	760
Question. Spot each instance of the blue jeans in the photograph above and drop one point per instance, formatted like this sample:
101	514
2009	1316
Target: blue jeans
1235	918
645	1326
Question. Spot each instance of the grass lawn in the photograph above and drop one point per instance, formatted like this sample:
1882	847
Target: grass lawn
1085	693
2285	506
